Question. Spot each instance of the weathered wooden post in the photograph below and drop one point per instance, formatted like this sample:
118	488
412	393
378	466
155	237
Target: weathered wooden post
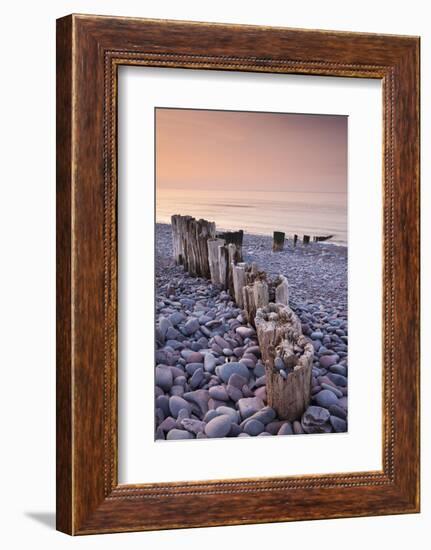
306	239
288	359
232	237
234	257
239	281
189	243
214	260
278	241
281	290
295	240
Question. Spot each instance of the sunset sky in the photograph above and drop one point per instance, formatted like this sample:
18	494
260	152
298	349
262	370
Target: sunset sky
250	151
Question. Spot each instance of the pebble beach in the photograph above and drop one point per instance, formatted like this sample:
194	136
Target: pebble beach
209	376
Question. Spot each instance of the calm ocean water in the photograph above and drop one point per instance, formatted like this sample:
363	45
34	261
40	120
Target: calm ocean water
260	212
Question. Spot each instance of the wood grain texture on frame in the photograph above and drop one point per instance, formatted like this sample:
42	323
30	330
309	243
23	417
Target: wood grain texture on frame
89	51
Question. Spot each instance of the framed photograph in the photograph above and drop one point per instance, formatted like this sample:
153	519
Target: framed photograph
237	274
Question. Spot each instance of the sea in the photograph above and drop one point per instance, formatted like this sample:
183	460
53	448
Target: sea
260	212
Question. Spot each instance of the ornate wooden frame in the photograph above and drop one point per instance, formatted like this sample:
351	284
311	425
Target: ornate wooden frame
89	51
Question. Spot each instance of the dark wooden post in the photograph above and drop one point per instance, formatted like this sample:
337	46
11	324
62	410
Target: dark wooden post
306	239
295	239
278	241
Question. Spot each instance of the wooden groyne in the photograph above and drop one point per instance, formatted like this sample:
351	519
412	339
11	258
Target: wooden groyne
286	352
189	243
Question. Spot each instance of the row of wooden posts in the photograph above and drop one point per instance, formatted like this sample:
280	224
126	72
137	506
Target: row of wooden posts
279	238
218	256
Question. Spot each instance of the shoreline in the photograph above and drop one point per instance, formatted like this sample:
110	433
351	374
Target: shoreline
289	237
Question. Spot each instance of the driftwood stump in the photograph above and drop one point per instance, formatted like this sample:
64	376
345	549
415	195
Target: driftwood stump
288	359
278	241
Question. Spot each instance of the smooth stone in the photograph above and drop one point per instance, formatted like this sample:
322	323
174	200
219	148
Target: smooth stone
164	378
338	369
327	360
168	424
336	410
260	393
297	428
173	334
249	406
259	370
159	416
160	434
185	353
227	369
215	403
179	434
216	349
191	326
234	393
177	390
247	391
177	371
160	356
180	380
325	398
210	415
209	362
274	426
255	350
338	379
197	379
164	324
191	368
265	415
176	318
219	392
235	430
242	434
234	415
253	427
192	425
238	351
162	402
201	435
219	426
176	403
343	402
338	424
195	357
174	344
158	392
245	332
263	434
199	398
227	352
315	420
336	391
221	342
285	429
247	362
237	380
316	335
